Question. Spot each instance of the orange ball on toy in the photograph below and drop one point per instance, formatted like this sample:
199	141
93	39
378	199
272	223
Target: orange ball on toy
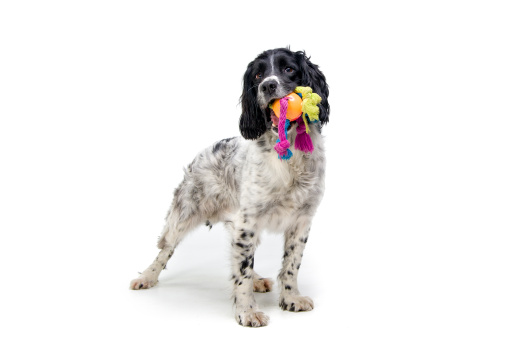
294	109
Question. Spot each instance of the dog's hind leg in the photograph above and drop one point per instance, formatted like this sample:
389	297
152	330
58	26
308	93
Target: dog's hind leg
171	236
261	284
206	192
149	277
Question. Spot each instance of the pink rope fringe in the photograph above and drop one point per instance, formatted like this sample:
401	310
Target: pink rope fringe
303	140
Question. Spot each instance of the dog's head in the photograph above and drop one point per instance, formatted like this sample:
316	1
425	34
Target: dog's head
272	75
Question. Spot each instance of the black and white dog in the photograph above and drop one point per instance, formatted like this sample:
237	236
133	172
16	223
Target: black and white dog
243	183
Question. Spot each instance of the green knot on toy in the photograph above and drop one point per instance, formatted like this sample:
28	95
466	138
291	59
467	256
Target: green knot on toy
302	107
309	106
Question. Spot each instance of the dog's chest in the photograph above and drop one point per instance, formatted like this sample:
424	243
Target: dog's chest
280	191
294	180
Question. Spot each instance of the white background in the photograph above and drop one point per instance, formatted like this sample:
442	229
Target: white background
104	102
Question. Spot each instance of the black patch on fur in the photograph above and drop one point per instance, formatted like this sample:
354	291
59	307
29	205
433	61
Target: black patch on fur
208	223
244	265
220	145
247	234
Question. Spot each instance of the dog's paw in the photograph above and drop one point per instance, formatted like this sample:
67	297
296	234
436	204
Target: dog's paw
252	318
263	285
142	282
296	303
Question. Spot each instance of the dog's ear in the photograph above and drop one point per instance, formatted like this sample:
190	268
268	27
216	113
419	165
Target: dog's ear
312	77
252	122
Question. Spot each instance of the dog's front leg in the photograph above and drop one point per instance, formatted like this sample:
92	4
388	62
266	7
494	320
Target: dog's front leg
295	241
244	243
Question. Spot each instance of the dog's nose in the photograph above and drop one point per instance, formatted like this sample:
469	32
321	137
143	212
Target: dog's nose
269	86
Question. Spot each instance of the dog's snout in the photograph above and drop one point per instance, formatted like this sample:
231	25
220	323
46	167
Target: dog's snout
269	87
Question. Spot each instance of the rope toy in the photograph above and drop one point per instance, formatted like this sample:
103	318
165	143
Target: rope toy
300	106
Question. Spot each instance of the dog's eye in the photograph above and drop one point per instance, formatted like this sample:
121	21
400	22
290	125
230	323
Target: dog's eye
258	75
289	70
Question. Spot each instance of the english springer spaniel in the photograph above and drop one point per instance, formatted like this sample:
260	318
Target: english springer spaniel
242	183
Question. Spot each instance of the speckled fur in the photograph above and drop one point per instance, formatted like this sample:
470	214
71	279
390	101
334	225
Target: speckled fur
244	184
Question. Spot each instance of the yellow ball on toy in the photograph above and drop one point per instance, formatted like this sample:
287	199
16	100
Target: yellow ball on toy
294	109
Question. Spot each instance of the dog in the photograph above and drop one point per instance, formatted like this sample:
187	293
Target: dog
242	183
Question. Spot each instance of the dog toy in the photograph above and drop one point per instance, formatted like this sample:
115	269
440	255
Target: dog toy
300	106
